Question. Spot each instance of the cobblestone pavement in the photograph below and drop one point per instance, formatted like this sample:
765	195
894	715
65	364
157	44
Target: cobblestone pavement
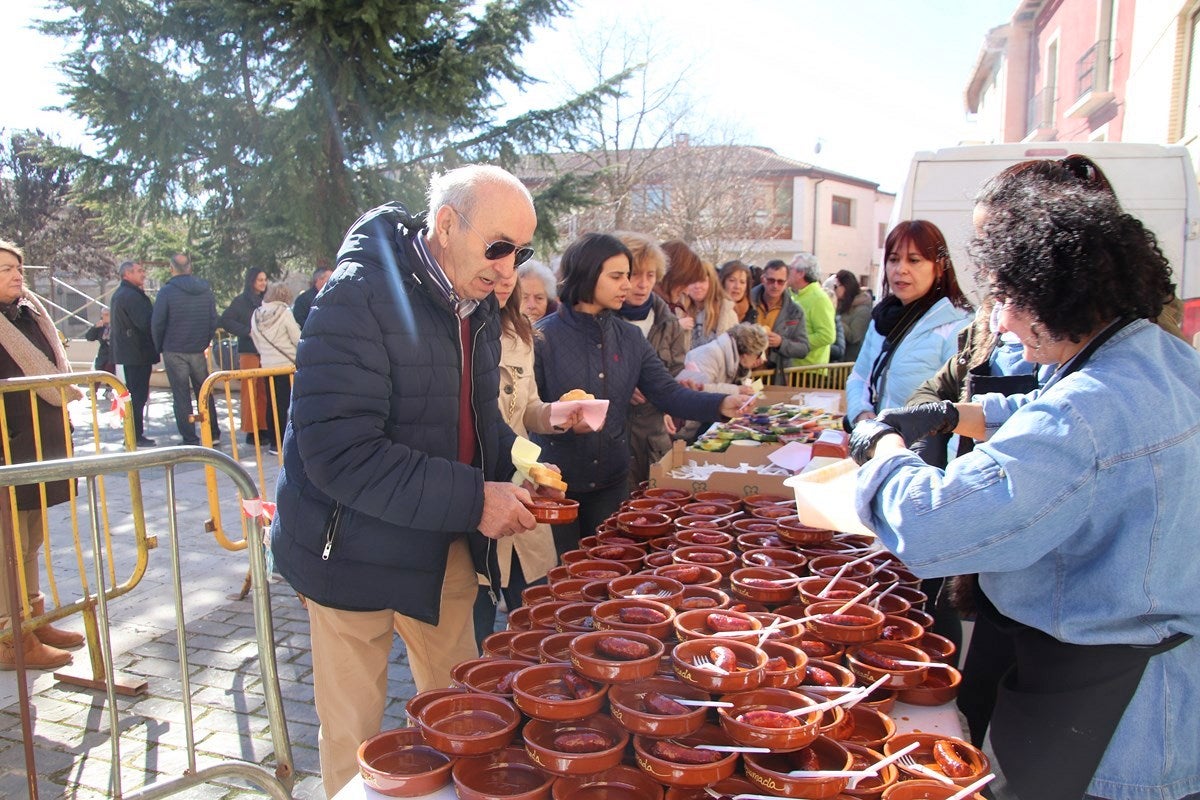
72	745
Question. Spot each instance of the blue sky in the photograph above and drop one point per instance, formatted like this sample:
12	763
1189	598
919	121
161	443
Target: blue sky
872	80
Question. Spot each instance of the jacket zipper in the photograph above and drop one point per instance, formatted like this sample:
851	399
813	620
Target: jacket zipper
331	530
487	558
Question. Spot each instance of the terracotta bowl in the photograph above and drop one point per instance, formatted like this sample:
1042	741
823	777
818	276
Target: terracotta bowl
793	531
468	724
658	544
699	508
617	537
575	617
644	524
757	540
696	597
865	756
884	577
756	500
492	675
540	593
769	585
524	645
938	647
924	790
658	505
749	673
553	511
642	616
940	686
597	569
508	774
702	531
545	742
542	691
872	728
646	586
589	660
773	512
588	542
555	647
882	699
974	757
721	559
899	677
790	732
841	676
519	619
541	616
818	648
730	499
915	597
779	557
658	558
900	629
568	590
843	589
594	591
922	618
699	624
857	540
833	629
785	677
496	645
571	556
690	574
677	496
828	565
627	554
770	771
621	782
674	773
733	785
627	706
890	604
555	574
398	763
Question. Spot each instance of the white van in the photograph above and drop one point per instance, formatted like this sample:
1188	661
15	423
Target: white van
1155	183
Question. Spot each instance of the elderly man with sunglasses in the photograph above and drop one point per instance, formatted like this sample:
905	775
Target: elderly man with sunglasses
397	470
787	338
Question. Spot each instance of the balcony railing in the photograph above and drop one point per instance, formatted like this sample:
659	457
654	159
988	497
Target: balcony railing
1040	111
1091	70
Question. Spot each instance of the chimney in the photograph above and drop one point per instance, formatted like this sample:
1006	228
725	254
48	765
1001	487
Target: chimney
681	140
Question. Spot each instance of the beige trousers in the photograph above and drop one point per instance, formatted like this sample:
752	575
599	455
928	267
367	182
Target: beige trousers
31	531
350	651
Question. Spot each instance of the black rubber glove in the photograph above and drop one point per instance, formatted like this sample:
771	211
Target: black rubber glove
864	436
924	419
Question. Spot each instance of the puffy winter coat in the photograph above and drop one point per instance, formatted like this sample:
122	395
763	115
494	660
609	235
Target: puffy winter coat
275	334
790	326
608	357
184	316
714	364
648	437
371	493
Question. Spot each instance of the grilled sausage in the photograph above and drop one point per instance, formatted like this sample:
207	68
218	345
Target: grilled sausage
682	754
726	622
723	658
764	718
809	759
707	558
578	686
946	753
646	587
504	685
845	619
658	703
580	742
622	648
697	602
684	574
777	664
875	658
641	616
819	677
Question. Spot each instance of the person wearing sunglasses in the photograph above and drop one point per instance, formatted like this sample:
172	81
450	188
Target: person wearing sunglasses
787	337
397	463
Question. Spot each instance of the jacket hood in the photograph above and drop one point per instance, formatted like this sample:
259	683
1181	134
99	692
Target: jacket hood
269	313
189	284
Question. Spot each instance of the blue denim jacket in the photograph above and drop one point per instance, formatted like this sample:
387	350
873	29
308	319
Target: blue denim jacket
1081	513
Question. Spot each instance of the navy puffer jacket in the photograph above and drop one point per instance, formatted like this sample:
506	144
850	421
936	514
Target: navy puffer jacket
371	494
608	357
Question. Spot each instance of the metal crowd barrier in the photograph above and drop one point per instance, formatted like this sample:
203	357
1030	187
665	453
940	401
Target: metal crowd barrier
55	609
276	784
812	376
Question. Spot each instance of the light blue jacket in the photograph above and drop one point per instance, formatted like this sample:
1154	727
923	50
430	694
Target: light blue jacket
1081	512
932	340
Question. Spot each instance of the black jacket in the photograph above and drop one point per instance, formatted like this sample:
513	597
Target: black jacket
236	319
185	316
303	305
130	338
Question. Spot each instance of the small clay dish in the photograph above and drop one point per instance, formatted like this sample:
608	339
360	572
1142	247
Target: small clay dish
571	556
922	618
642	616
627	554
547	691
856	540
757	540
864	756
556	574
657	505
695	597
793	672
597	569
924	790
752	524
768	585
553	511
675	773
699	624
900	629
594	591
617	537
748	674
882	699
412	708
660	543
756	500
905	577
627	706
721	559
703	531
973	756
555	648
827	548
575	617
658	558
771	771
784	627
493	675
940	686
645	586
524	645
915	597
834	627
541	616
793	531
677	496
777	557
707	509
539	593
938	647
733	785
883	578
594	663
690	574
460	669
497	645
889	604
872	728
861	661
519	619
545	743
398	763
819	648
829	565
645	524
569	590
773	512
588	542
781	732
730	499
621	782
469	724
841	676
508	774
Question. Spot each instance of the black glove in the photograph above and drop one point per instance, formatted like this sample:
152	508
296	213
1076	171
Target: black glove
862	440
924	419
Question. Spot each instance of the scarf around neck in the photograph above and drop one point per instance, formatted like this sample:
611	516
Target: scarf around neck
637	313
29	358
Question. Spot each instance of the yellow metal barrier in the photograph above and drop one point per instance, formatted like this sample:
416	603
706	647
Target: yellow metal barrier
276	783
224	381
55	609
811	376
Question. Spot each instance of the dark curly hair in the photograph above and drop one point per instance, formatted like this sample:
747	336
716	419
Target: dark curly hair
1069	255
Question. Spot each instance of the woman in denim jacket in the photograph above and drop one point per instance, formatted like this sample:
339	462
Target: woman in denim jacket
1077	507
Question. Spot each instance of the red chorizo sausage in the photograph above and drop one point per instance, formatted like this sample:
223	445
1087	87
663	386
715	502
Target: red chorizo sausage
726	622
845	619
875	658
723	658
682	754
697	602
819	677
641	616
707	558
579	742
809	759
951	762
622	648
764	718
658	703
578	686
683	574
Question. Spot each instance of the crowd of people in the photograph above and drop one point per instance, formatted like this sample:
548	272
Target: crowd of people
1000	455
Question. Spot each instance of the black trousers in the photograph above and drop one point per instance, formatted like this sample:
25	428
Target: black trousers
137	381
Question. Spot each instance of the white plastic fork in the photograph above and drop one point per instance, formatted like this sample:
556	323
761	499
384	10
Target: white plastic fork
967	791
705	662
849	700
855	775
910	762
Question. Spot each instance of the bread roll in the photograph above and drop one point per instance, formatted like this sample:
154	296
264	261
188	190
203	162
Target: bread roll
577	394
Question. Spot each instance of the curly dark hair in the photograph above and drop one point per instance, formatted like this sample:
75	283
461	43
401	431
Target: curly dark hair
1069	255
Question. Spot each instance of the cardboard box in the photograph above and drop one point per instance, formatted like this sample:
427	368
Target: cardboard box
832	400
742	484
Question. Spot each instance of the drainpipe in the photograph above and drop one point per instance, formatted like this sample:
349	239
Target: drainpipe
813	248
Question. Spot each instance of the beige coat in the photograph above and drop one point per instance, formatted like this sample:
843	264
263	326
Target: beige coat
524	411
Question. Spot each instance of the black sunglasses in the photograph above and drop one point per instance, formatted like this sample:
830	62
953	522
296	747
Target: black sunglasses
494	251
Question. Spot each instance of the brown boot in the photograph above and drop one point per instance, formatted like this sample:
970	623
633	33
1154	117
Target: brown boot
50	635
37	655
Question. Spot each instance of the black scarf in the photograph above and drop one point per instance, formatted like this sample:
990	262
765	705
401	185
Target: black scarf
636	313
893	320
